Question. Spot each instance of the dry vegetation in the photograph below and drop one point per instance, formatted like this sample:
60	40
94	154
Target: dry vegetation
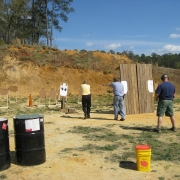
32	68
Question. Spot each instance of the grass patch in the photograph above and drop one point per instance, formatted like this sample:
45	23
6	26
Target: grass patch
96	133
164	148
85	130
49	122
161	178
3	176
92	148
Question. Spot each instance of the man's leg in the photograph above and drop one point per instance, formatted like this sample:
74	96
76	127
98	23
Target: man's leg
159	122
161	109
116	102
173	123
85	110
88	106
122	114
170	113
88	111
84	106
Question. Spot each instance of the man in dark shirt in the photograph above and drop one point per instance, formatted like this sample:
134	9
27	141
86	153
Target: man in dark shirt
164	94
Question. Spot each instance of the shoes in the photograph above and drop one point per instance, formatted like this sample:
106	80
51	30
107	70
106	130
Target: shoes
158	131
122	119
173	129
115	118
85	116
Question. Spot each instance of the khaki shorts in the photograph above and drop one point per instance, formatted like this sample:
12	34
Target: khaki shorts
165	107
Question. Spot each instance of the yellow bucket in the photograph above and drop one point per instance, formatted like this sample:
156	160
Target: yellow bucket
143	157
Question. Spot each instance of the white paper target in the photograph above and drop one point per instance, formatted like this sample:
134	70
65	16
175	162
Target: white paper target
125	86
150	86
63	89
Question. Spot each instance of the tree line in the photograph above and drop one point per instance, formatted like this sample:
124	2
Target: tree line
168	60
31	20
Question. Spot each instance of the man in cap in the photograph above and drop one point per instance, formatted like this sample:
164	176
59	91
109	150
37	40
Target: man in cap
118	91
164	94
86	99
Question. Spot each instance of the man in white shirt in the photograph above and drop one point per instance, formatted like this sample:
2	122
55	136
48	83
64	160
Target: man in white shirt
86	99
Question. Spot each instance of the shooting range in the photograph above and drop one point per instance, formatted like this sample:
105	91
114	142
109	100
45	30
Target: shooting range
137	80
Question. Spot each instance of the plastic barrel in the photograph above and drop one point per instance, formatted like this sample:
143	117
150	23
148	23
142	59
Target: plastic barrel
5	161
143	156
29	139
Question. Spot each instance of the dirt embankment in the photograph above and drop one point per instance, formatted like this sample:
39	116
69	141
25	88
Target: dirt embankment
31	78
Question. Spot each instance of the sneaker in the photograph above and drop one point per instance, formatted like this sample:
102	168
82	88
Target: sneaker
173	129
115	118
158	131
122	119
85	116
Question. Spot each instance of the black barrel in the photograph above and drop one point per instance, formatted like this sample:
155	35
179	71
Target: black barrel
5	161
29	139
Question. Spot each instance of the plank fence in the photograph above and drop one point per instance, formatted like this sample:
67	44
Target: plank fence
138	99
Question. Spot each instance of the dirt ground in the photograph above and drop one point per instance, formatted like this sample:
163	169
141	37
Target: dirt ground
86	165
81	165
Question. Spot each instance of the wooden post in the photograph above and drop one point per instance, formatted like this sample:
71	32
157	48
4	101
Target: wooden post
63	102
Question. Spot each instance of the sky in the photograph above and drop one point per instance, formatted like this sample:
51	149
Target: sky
140	26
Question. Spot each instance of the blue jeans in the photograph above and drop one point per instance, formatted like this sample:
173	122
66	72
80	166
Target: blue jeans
118	102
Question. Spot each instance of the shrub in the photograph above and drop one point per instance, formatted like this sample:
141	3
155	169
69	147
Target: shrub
83	50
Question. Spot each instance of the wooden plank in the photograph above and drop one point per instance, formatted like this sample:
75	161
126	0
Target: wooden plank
128	73
140	76
149	94
138	99
144	73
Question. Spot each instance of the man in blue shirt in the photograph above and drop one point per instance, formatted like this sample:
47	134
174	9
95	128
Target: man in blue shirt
118	91
164	94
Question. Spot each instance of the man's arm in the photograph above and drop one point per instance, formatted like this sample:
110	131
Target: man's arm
157	92
105	84
156	97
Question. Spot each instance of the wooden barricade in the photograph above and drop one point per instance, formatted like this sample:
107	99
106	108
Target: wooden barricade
4	93
42	97
52	96
13	89
138	99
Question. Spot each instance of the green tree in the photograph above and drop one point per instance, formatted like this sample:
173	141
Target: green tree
112	51
30	20
59	10
11	16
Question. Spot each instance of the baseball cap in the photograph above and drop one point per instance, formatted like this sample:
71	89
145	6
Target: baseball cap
115	79
164	76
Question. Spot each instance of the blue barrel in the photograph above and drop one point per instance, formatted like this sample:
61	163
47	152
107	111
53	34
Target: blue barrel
29	139
5	161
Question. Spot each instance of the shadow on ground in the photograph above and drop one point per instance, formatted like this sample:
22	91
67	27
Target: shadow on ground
13	157
150	129
103	111
94	118
128	165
